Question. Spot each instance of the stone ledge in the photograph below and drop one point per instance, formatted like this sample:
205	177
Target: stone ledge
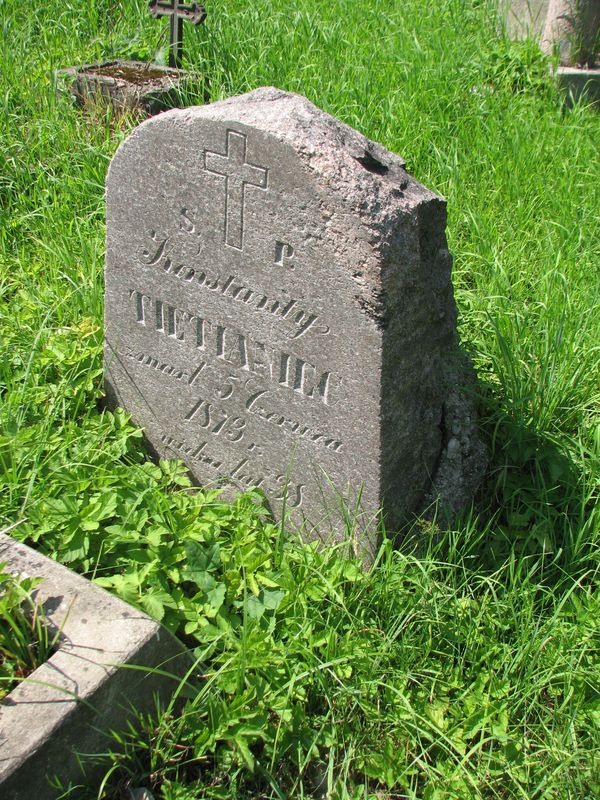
580	81
66	705
127	86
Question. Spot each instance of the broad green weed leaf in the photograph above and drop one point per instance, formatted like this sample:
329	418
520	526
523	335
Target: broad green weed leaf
251	581
216	596
272	599
203	580
102	506
244	751
202	557
255	608
264	580
153	605
154	536
78	547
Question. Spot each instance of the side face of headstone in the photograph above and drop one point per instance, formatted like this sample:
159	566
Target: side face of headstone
572	28
279	310
524	18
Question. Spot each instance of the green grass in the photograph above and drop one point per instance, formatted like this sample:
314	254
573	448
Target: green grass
25	640
467	667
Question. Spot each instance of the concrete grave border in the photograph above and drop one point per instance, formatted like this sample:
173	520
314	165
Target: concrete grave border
92	84
69	703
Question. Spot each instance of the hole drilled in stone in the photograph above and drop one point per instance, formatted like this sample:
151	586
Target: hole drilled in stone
372	164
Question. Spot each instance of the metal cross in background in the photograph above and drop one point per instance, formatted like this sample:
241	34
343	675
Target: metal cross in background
177	11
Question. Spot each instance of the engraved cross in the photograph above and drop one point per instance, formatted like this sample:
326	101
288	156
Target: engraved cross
238	174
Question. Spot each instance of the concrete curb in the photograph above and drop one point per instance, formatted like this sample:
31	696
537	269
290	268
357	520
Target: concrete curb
124	85
580	82
69	704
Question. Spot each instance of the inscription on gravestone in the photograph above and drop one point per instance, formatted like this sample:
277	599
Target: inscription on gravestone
279	313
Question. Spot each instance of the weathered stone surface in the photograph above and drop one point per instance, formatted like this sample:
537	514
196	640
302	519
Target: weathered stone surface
524	18
572	29
69	705
279	311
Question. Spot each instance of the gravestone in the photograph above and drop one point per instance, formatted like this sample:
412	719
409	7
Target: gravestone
569	27
280	314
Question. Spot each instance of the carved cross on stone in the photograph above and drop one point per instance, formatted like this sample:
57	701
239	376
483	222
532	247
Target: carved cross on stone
238	174
177	11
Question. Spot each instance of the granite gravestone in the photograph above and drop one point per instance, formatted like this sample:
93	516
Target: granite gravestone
280	314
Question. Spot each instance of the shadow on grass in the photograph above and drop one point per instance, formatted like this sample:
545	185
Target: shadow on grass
537	500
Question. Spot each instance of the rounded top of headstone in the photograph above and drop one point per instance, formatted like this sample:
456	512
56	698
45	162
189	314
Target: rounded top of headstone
368	177
293	118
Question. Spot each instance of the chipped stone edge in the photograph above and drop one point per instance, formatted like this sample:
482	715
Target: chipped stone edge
68	705
464	457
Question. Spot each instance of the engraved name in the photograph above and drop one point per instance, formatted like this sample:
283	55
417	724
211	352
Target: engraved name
284	308
230	345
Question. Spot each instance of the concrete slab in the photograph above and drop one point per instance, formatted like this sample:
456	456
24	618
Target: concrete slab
127	86
83	691
580	82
